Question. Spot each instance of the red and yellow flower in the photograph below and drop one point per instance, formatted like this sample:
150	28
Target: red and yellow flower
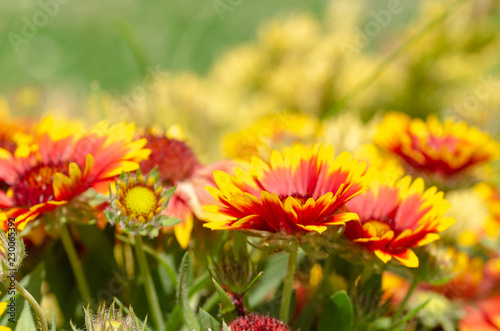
484	316
395	218
178	166
302	191
434	148
59	166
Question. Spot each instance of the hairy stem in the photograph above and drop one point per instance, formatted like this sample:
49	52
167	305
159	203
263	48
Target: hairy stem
151	295
287	286
34	304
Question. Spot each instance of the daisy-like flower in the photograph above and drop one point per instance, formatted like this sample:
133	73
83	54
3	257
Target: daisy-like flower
138	204
57	168
302	191
435	149
178	166
395	218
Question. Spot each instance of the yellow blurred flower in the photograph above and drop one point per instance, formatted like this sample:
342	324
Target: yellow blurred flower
272	132
347	132
492	197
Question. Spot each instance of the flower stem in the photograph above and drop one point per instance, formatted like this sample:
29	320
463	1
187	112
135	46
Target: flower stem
403	303
38	310
76	264
287	286
153	302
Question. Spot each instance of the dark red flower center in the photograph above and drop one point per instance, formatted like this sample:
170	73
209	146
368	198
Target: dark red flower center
437	142
175	159
254	322
302	198
35	185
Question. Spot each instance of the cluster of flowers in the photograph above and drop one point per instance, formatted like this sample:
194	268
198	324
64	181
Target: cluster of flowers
383	202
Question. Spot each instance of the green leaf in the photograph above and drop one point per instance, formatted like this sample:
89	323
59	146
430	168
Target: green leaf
338	312
411	314
252	282
169	192
174	320
110	216
123	176
208	322
273	274
154	173
198	284
182	298
226	303
170	221
25	321
382	323
225	327
274	271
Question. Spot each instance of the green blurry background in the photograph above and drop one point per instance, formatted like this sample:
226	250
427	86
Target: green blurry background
112	41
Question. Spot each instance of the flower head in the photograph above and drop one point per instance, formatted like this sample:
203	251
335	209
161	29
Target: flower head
302	191
57	168
138	203
175	160
255	322
433	148
112	319
179	167
394	219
